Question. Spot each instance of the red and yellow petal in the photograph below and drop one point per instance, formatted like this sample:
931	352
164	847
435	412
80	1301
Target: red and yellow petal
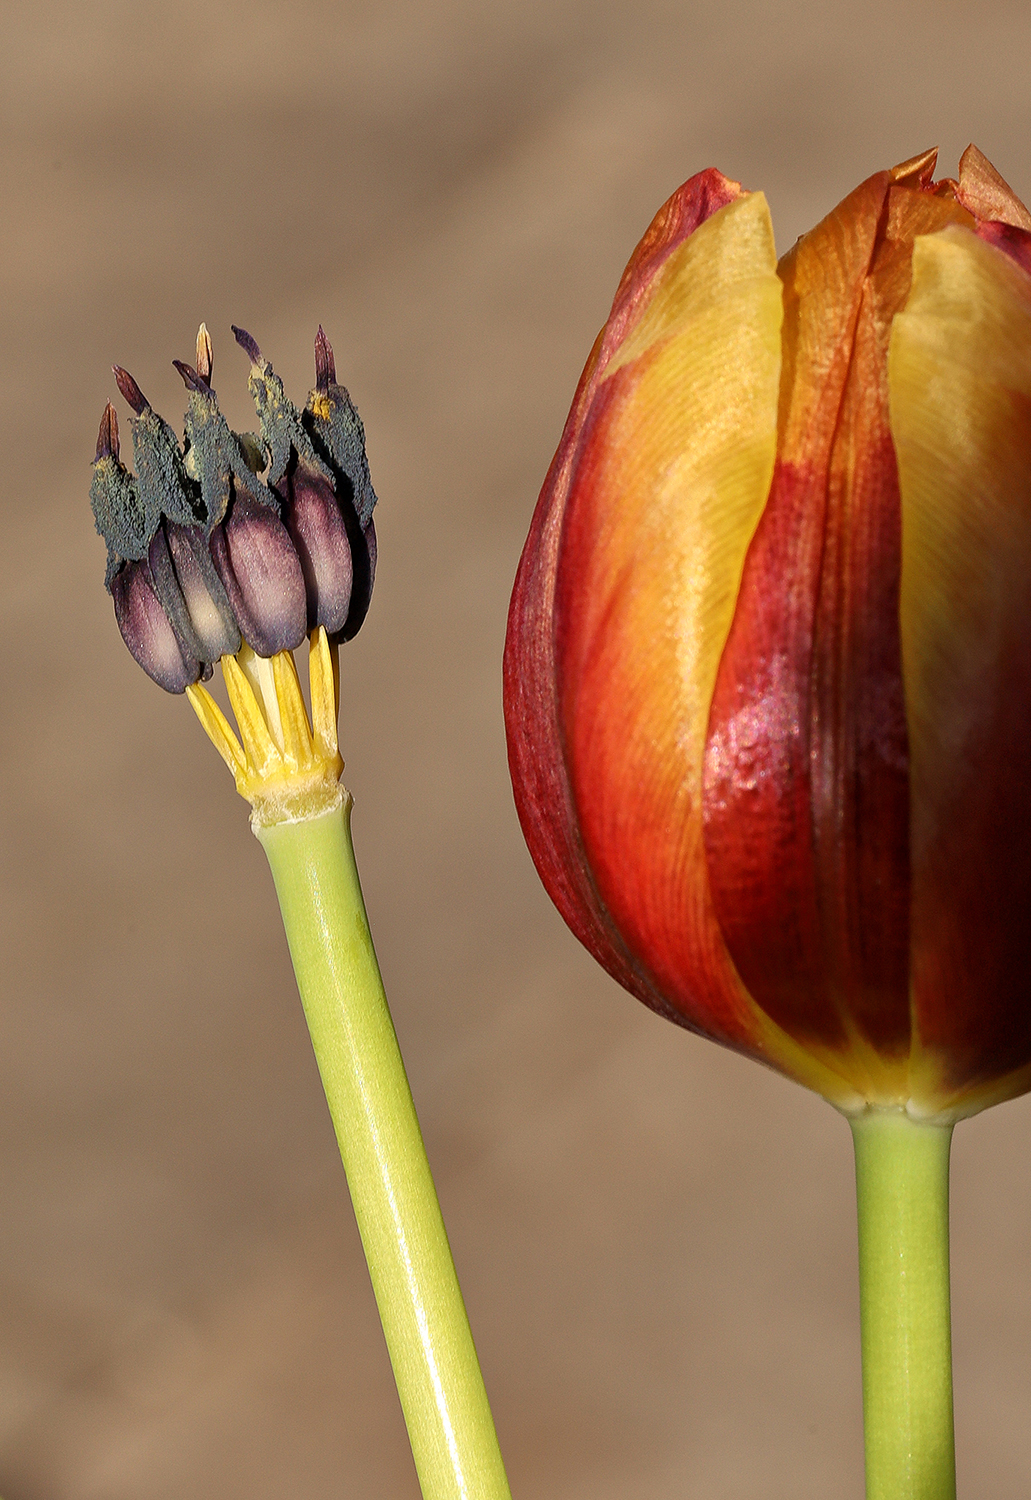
960	381
670	479
535	739
806	788
671	476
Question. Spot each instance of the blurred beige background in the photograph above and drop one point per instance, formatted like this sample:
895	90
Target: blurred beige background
656	1239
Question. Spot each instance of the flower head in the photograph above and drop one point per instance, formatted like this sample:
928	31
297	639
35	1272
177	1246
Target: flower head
233	548
767	670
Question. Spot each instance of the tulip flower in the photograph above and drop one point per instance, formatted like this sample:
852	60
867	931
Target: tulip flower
768	681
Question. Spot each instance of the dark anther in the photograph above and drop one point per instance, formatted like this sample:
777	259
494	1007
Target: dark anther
248	345
325	365
191	379
107	438
131	391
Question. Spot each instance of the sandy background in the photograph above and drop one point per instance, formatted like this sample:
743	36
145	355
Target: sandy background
656	1239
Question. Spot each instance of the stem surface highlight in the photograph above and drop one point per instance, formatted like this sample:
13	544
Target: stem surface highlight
420	1303
902	1186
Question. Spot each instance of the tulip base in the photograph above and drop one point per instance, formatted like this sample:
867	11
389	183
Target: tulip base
413	1275
902	1187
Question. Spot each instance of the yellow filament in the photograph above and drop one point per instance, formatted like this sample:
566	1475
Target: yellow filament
284	770
216	727
262	750
258	672
323	678
297	741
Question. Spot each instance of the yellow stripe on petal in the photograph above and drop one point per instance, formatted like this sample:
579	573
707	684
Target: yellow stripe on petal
671	480
960	402
727	257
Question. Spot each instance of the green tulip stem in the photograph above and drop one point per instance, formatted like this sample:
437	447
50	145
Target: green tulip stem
413	1275
902	1187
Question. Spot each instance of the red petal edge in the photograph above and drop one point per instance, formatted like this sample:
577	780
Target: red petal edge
536	752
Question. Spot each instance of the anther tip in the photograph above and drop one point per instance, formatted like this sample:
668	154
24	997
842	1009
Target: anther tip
205	362
130	390
107	438
248	346
192	379
325	366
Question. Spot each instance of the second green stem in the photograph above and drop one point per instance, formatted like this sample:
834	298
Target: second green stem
902	1184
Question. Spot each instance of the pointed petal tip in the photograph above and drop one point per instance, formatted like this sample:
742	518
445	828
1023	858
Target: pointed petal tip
248	345
107	438
973	159
986	193
919	168
325	365
130	390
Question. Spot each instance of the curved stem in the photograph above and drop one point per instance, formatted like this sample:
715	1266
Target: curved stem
413	1275
902	1185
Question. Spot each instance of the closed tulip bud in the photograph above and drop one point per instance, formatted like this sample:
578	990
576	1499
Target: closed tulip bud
768	667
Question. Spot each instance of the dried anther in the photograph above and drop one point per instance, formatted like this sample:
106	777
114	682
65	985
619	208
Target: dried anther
319	471
204	553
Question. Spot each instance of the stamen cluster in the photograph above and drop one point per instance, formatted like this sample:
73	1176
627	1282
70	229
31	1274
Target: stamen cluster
235	538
